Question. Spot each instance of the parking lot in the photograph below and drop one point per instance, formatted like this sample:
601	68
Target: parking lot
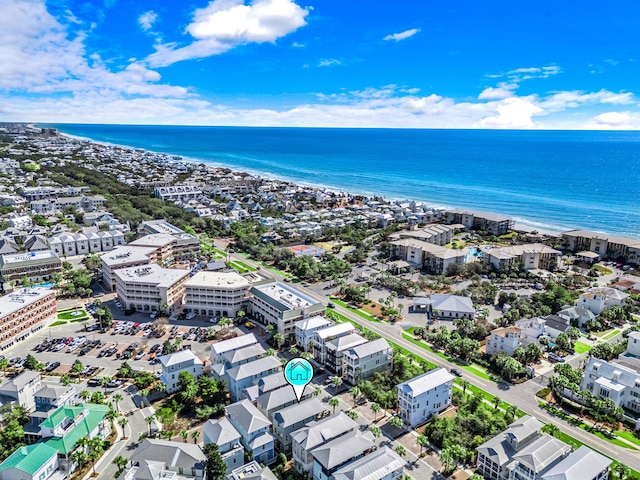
136	339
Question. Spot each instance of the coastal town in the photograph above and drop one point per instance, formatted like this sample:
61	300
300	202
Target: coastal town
150	303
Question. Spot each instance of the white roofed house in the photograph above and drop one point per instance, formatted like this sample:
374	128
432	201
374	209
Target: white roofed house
306	330
445	306
362	361
174	364
325	335
597	299
22	388
336	348
231	345
244	376
223	433
424	396
156	459
341	451
316	434
274	400
504	340
382	464
294	417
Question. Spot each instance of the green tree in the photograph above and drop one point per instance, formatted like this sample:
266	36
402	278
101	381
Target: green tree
336	382
375	408
396	422
77	367
334	402
121	463
215	468
355	392
352	414
375	430
496	401
279	339
185	435
150	420
551	429
194	435
422	441
188	387
117	397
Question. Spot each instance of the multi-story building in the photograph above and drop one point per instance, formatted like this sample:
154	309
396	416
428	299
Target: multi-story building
362	361
30	462
183	245
291	418
179	192
424	396
218	349
216	294
243	376
382	464
276	399
254	429
504	340
427	256
306	330
36	266
488	222
327	334
606	246
24	312
53	396
341	451
436	234
123	257
151	288
156	459
597	299
223	434
316	434
174	364
281	305
526	257
336	348
69	244
523	452
22	389
266	385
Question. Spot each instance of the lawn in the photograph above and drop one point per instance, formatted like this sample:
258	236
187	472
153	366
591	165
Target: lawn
477	370
602	270
361	313
241	266
611	335
580	347
58	323
629	436
68	314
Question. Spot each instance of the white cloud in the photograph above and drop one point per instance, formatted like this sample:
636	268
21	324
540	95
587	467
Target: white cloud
559	101
503	90
512	113
615	121
402	35
225	24
147	19
329	62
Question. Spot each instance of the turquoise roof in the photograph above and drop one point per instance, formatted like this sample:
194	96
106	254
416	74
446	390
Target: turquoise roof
30	458
87	424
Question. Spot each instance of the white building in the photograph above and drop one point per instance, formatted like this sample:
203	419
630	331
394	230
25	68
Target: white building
324	335
174	364
425	395
362	361
216	294
281	305
598	299
180	192
32	462
504	340
528	257
444	306
223	434
245	375
22	388
218	349
150	288
306	330
337	347
123	257
382	464
432	258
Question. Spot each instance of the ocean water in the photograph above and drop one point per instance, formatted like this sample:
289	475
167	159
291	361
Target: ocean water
551	180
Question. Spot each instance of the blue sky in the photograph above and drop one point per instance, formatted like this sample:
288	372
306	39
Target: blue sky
406	63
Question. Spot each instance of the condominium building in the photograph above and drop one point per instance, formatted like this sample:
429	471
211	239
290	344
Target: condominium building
526	257
424	396
362	361
606	246
281	305
382	464
180	192
182	247
337	347
71	244
216	294
341	451
24	312
491	223
36	266
427	256
243	376
150	288
436	234
123	257
523	452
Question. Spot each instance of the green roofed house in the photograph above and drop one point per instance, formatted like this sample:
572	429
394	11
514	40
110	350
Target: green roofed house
33	462
67	424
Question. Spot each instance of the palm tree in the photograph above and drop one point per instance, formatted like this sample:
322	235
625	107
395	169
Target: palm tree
447	460
85	395
336	382
195	434
496	402
422	441
293	350
306	355
270	328
375	430
396	422
551	429
284	362
621	471
375	408
150	419
400	450
121	463
352	414
117	397
279	339
225	323
4	364
143	394
270	352
317	391
355	392
123	423
185	435
334	402
464	384
510	413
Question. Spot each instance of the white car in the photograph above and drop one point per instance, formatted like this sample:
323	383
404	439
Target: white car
190	315
72	348
139	355
153	315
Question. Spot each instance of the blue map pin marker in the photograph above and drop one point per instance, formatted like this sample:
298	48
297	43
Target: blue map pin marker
298	372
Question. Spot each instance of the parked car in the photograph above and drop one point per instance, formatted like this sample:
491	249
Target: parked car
114	384
52	366
94	382
139	355
456	372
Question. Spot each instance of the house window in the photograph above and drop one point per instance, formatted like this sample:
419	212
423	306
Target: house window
604	392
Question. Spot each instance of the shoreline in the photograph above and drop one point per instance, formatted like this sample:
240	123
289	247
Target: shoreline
521	224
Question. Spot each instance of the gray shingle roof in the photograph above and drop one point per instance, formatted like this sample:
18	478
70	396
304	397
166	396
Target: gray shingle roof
254	368
220	431
337	452
322	431
245	414
374	466
298	412
582	464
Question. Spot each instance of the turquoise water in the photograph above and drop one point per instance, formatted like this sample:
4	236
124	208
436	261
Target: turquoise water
554	180
45	285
